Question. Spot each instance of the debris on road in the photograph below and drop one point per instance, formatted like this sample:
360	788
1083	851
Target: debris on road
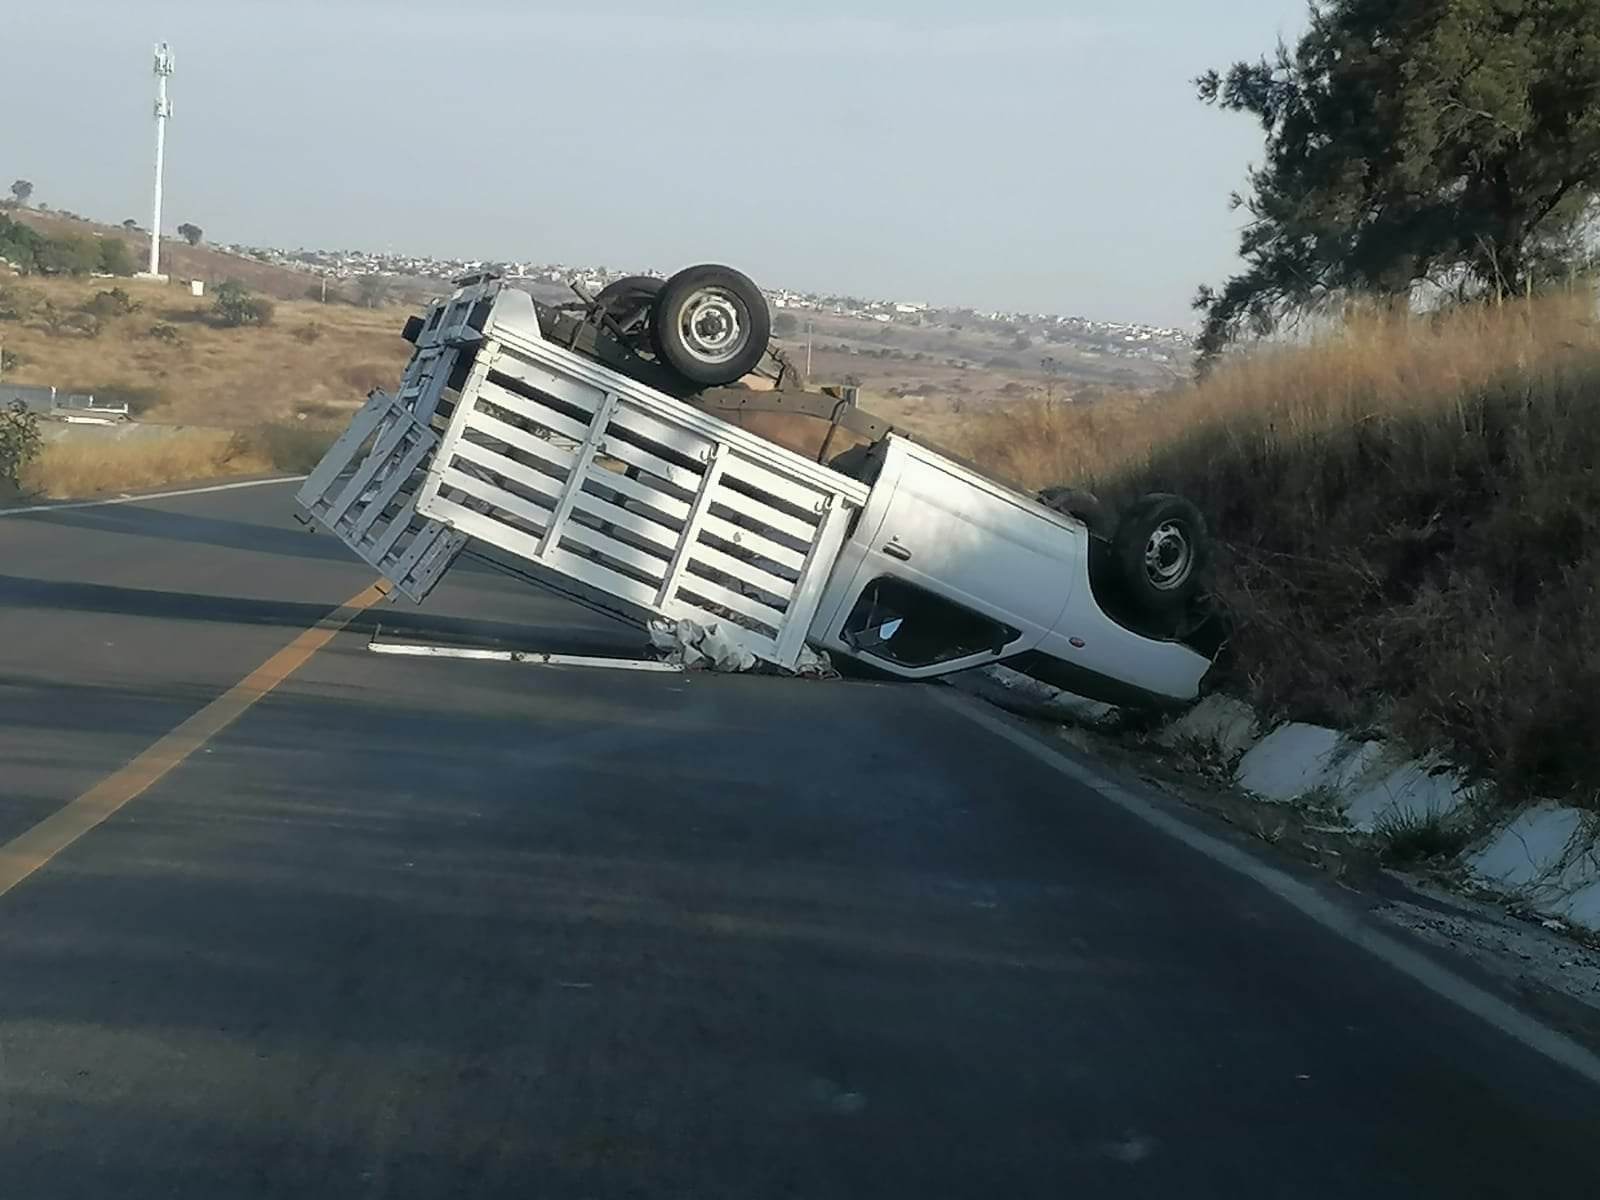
697	647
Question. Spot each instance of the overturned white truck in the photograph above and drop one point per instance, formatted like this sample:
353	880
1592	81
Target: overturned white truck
581	443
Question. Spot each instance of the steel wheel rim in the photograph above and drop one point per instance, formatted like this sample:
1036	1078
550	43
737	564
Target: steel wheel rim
713	326
1168	556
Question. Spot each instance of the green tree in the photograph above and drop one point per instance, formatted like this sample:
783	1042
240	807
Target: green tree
19	244
112	303
22	189
115	258
372	291
1455	142
235	306
785	324
192	234
67	256
19	441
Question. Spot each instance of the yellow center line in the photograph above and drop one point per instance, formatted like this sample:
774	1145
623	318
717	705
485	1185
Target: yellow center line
30	851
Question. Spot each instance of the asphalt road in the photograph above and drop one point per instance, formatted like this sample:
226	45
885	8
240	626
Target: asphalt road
434	928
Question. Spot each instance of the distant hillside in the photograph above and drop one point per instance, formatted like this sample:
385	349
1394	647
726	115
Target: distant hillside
183	261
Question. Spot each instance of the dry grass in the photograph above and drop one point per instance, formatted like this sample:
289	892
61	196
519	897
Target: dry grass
94	465
88	468
317	360
1409	523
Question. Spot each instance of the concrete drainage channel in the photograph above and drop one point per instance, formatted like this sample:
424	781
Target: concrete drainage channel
1517	892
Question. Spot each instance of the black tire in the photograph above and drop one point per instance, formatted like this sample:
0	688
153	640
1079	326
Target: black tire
1085	506
1161	551
710	324
629	300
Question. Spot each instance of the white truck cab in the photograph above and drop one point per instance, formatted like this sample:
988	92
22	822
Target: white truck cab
947	569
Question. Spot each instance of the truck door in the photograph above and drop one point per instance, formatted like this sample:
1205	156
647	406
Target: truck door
947	570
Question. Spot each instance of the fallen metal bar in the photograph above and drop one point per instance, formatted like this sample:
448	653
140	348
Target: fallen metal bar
536	658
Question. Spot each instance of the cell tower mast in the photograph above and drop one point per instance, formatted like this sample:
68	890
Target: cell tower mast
163	111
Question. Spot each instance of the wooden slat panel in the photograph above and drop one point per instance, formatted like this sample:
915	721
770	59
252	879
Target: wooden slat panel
582	457
727	598
497	497
777	585
651	531
587	571
648	400
772	518
385	542
446	544
691	529
362	479
747	539
813	580
433	386
646	564
494	427
339	455
485	529
806	498
515	471
541	378
687	442
425	540
667	505
531	410
634	456
398	474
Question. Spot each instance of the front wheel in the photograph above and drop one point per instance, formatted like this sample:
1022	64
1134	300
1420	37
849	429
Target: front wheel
710	325
1161	549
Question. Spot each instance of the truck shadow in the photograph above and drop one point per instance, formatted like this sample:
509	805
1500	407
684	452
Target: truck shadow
21	592
139	520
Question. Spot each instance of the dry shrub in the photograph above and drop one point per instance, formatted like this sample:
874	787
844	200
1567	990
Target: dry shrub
363	377
91	466
294	449
1408	515
1036	444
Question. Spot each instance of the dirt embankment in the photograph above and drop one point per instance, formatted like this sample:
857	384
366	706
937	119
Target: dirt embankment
1408	516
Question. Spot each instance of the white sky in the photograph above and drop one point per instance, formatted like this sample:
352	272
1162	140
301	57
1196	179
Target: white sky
1037	154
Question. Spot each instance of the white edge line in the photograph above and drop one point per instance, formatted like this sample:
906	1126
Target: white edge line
196	491
1438	979
534	657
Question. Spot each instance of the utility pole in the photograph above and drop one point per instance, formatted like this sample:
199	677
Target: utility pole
808	352
163	111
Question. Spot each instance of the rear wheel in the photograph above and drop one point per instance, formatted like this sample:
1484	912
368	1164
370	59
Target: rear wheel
629	299
710	324
1160	550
